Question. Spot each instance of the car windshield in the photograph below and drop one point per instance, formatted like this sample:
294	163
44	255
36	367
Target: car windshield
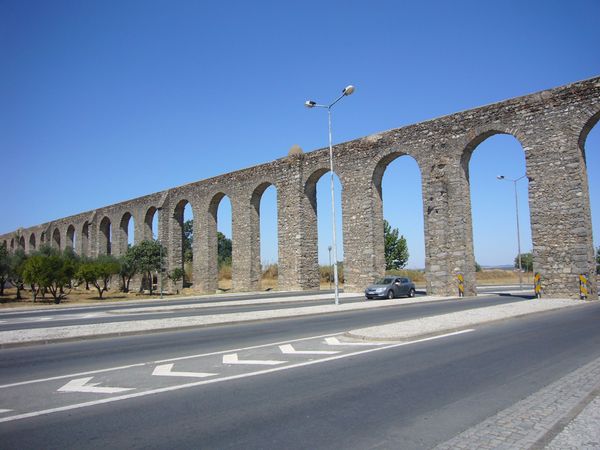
384	281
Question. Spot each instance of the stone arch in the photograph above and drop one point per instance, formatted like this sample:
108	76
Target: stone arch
32	242
12	244
255	237
122	239
85	239
147	232
476	138
104	237
21	243
310	219
71	236
56	239
176	247
590	123
379	171
478	135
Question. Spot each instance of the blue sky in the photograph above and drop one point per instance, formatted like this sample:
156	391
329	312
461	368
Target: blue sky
103	101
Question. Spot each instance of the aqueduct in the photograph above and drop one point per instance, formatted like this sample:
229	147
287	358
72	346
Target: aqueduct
551	126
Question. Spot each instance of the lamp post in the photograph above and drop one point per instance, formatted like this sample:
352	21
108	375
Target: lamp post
161	258
329	248
348	90
502	177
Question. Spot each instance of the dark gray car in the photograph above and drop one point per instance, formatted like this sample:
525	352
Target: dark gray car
390	287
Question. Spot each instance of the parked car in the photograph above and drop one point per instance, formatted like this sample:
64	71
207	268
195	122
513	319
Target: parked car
390	287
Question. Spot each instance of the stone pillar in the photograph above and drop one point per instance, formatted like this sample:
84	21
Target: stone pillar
362	221
448	227
297	223
561	223
205	248
246	243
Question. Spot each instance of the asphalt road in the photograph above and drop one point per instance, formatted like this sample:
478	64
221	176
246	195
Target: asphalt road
409	396
122	312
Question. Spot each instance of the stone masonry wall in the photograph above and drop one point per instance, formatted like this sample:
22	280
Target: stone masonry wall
551	126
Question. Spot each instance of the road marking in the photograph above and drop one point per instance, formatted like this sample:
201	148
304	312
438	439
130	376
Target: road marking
335	341
200	355
289	349
81	385
60	377
88	316
5	410
232	358
217	380
166	370
110	369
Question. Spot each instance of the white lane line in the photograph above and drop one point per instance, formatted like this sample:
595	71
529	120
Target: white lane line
289	349
166	370
84	385
335	341
217	380
72	375
233	359
5	410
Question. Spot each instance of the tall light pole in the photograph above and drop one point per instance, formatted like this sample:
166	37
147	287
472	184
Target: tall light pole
159	210
310	104
502	177
329	248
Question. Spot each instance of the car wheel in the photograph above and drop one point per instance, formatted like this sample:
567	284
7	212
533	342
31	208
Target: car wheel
411	293
368	298
390	294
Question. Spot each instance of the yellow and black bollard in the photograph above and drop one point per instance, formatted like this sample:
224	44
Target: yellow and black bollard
583	286
537	286
461	285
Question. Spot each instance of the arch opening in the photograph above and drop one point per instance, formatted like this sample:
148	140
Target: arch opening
589	143
184	257
126	232
32	243
71	237
399	184
105	237
85	239
264	207
220	210
318	191
495	169
56	239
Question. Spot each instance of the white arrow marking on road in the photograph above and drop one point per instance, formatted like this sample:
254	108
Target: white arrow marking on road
289	349
232	358
335	341
81	385
5	410
165	370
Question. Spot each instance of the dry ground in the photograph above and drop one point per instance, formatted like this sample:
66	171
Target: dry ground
81	296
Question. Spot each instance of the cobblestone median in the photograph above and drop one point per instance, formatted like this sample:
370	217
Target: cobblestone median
534	421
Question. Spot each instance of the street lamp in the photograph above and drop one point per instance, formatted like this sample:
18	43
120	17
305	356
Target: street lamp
502	177
329	248
348	90
159	210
